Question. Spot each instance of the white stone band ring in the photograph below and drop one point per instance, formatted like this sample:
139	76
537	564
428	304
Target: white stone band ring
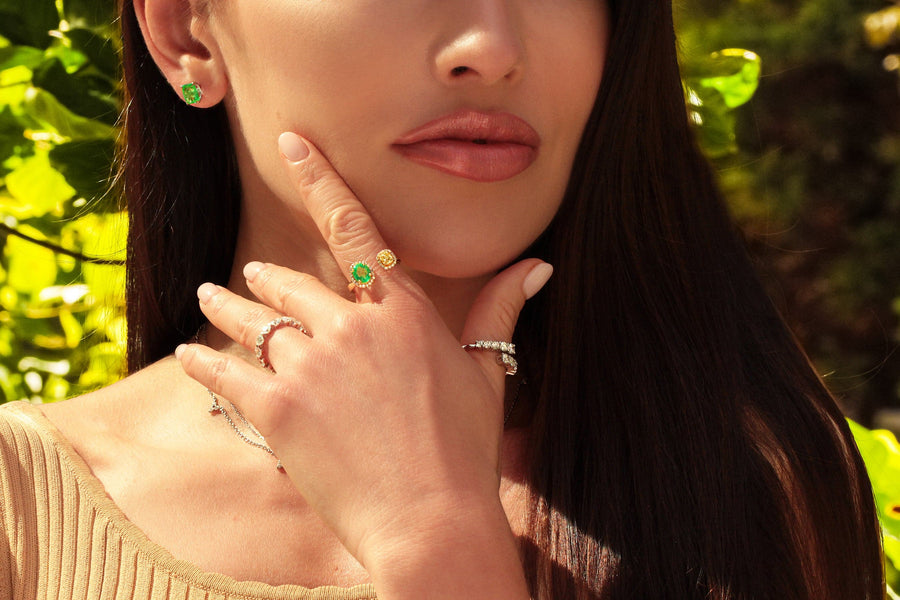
268	330
505	350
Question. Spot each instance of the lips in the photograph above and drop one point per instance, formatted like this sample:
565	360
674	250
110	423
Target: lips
484	147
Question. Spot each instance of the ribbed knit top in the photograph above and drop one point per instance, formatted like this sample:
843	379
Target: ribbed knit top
63	538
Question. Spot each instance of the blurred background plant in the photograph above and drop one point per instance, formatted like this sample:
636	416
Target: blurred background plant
61	235
810	168
813	179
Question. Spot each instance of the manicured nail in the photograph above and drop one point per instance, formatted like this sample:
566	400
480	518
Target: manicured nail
292	146
206	291
252	269
180	350
536	279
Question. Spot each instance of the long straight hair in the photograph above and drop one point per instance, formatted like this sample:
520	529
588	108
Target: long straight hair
681	444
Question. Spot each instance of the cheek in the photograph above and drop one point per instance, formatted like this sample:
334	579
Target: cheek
285	75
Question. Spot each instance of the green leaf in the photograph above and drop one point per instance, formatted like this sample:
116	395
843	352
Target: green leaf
36	188
714	85
102	236
31	267
12	132
85	165
72	329
738	87
31	26
881	453
99	49
51	115
76	93
91	13
20	56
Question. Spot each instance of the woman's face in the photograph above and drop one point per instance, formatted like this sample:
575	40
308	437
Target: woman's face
360	78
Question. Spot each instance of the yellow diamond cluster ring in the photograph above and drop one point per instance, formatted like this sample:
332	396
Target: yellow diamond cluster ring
506	353
361	274
263	337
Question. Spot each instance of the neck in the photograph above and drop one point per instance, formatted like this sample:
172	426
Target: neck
299	246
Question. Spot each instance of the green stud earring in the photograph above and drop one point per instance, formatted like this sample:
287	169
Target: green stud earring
191	93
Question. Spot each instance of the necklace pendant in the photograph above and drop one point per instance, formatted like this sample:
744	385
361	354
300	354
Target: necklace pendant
279	466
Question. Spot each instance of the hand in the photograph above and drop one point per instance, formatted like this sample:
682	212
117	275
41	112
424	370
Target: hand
386	426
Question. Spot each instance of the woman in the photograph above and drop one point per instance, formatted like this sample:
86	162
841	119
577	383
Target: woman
664	435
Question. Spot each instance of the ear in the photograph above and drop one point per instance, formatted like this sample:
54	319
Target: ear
178	36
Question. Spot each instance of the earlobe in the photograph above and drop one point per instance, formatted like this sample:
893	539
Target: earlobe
178	38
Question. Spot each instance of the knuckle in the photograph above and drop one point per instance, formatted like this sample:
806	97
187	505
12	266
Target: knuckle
250	323
218	368
311	176
291	288
217	303
263	277
351	327
507	314
344	224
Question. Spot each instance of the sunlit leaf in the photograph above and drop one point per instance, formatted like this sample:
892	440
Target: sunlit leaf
106	363
47	111
16	56
55	388
37	187
31	267
76	94
92	13
714	86
881	453
85	165
739	79
72	329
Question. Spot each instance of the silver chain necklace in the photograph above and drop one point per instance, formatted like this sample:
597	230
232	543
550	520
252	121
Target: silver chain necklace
259	442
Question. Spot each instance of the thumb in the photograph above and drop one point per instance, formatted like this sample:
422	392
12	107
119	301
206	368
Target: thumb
495	311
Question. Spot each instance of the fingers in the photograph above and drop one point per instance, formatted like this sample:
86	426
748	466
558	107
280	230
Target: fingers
289	292
242	320
227	376
495	311
342	220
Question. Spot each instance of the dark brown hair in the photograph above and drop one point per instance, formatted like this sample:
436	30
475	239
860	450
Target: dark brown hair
682	445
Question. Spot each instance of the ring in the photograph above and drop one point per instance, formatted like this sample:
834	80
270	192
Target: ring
506	352
361	274
268	330
387	259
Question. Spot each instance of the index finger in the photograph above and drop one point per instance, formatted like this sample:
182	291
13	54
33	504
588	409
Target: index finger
342	220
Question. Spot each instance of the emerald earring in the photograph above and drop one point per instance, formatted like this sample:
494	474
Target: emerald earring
191	93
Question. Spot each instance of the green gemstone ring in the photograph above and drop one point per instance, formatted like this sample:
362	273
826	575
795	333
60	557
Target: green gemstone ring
362	276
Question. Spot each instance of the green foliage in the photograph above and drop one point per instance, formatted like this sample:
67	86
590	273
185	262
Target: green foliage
881	453
62	329
812	175
715	85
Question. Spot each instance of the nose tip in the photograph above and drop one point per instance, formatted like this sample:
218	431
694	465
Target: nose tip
488	57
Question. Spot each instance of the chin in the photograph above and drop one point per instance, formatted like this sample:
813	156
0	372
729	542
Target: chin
463	259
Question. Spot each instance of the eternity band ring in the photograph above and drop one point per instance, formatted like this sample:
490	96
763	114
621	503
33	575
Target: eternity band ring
505	350
263	338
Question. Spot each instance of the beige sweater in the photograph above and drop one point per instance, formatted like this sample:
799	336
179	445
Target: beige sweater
63	538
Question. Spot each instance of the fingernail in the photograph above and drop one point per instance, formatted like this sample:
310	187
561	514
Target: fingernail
180	350
252	269
536	279
292	146
206	291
